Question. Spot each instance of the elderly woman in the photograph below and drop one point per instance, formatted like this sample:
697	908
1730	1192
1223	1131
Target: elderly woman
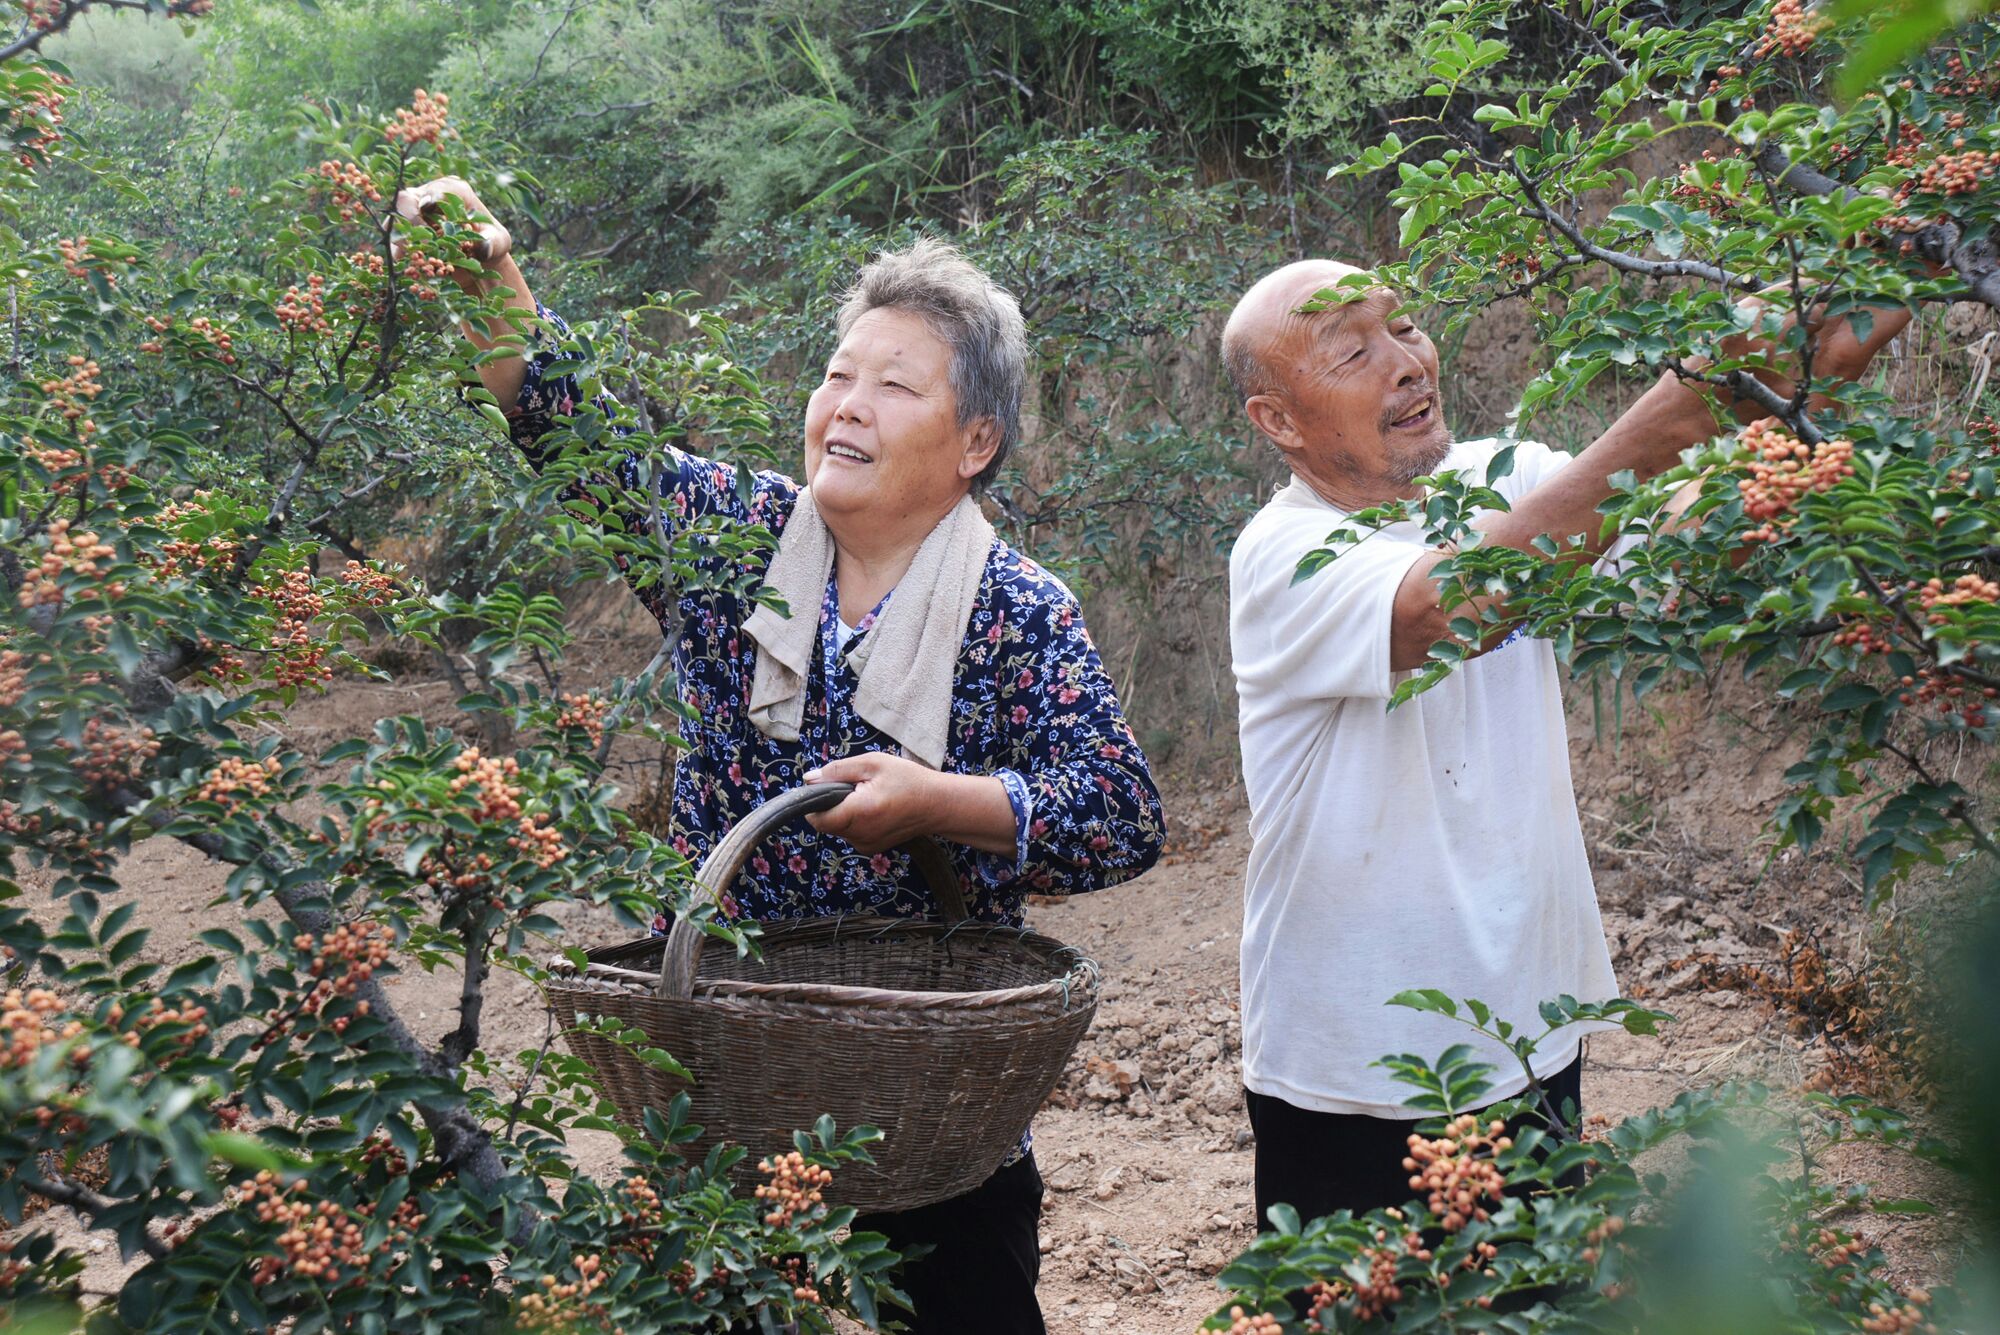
945	675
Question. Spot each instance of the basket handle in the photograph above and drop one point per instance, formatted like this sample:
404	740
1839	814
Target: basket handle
725	863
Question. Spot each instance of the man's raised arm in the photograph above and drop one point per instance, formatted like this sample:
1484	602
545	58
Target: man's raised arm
1647	439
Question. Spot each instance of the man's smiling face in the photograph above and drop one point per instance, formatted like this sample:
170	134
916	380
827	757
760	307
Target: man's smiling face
1346	387
1363	380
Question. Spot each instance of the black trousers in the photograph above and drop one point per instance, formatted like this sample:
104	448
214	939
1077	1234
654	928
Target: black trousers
979	1276
1318	1162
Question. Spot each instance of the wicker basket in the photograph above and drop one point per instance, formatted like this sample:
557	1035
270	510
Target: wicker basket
946	1035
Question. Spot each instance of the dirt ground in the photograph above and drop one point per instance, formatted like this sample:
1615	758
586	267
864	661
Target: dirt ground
1145	1146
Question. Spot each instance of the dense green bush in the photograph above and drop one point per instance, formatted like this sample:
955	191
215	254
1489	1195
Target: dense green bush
1841	547
1750	1236
257	1126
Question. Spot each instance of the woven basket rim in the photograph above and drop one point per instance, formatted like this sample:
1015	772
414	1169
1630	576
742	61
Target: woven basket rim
1078	982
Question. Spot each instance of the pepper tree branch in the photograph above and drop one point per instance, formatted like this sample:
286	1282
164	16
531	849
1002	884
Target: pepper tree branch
459	1043
462	1143
1977	262
71	8
65	1192
1621	260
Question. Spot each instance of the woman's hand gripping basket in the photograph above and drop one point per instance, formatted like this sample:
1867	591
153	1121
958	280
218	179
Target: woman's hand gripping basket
946	1034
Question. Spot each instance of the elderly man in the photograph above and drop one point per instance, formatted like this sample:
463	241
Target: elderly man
1433	846
945	675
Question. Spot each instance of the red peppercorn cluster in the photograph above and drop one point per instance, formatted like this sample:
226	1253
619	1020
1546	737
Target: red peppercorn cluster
1598	1236
68	468
1723	72
643	1206
1519	268
304	312
351	186
1451	1172
81	555
1958	82
446	870
1957	173
1906	1318
1784	469
1834	1249
420	122
584	711
12	822
1950	693
342	960
376	588
1909	147
1710	199
378	1148
492	781
297	604
804	1290
300	658
214	553
28	1023
1253	1323
158	1013
71	394
1864	636
56	460
75	252
113	755
1967	588
796	1187
37	120
565	1305
42	15
320	1241
13	677
1792	29
218	338
1380	1291
347	956
424	271
235	781
685	1280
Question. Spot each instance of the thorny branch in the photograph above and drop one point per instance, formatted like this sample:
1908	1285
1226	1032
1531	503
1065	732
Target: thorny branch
64	1192
30	41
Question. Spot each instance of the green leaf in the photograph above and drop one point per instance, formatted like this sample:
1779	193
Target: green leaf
1903	1205
1426	999
1854	695
249	1152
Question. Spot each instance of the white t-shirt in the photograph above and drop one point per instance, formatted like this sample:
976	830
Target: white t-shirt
1433	846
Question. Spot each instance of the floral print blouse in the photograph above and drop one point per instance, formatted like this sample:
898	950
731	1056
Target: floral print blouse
1031	704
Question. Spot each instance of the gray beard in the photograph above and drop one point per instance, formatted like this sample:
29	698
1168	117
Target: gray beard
1411	467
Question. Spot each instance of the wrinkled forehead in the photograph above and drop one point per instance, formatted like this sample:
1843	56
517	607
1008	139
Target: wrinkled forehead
1321	304
890	335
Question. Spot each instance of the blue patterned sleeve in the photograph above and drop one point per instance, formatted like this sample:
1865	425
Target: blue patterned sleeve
685	488
997	869
1095	817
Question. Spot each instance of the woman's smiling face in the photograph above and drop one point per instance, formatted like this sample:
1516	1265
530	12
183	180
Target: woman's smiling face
883	437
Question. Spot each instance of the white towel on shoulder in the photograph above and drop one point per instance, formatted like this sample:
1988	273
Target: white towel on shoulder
909	659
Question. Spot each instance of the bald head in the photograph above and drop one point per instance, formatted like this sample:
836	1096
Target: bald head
1266	313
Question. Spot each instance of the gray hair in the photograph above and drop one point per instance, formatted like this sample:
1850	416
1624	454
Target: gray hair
975	315
1243	358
